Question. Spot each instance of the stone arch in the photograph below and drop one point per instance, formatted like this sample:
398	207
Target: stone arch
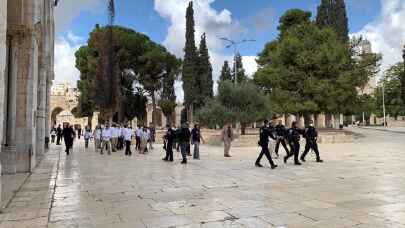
54	113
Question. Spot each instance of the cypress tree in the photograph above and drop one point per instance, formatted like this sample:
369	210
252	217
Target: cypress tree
205	73
403	79
225	73
332	13
240	75
190	59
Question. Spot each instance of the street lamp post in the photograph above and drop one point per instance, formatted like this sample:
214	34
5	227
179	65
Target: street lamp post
234	44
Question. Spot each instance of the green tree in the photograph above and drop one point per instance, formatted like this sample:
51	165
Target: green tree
204	80
156	65
403	78
225	73
305	70
85	106
235	103
332	13
292	18
240	75
190	62
392	92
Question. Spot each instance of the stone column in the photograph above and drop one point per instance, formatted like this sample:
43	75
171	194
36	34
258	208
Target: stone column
3	75
320	120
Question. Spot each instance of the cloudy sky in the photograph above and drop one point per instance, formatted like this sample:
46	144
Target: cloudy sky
164	21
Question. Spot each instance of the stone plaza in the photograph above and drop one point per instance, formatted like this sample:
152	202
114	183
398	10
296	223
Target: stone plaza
361	184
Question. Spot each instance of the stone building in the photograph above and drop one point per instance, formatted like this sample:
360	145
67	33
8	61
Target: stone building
26	74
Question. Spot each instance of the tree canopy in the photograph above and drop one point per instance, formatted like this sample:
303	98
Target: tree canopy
332	14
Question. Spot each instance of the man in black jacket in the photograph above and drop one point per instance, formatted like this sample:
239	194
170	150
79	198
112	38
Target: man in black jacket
311	137
168	140
68	136
265	134
184	141
294	140
281	133
58	135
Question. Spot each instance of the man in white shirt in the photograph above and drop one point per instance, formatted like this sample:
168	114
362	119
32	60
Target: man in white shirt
127	132
106	135
114	137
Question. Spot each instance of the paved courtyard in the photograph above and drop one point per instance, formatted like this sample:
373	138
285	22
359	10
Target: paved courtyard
360	185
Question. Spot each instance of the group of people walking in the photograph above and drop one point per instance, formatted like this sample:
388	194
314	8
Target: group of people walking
115	137
181	139
284	136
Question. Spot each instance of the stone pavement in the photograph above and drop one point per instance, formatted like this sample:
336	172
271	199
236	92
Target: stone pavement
360	185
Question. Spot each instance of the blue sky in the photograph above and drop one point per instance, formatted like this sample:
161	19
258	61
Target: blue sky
163	21
141	16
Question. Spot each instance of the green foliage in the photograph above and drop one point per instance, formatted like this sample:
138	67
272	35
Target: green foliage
403	78
225	73
190	62
134	55
293	17
204	82
305	71
235	103
392	92
240	76
332	14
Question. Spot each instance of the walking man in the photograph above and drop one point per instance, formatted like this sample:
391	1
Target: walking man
87	136
184	141
227	137
196	138
152	131
53	135
58	135
68	136
168	143
97	138
311	137
127	138
294	140
281	133
138	133
265	134
106	135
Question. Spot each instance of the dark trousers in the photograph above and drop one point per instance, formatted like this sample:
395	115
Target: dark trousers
137	142
282	141
311	144
295	151
183	149
52	138
58	140
68	145
128	147
265	151
189	149
169	152
86	143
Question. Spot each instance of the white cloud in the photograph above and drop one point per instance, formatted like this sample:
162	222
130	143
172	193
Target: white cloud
214	23
65	48
387	32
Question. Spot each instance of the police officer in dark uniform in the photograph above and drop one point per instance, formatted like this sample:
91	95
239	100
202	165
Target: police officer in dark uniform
281	133
293	135
169	139
265	133
311	137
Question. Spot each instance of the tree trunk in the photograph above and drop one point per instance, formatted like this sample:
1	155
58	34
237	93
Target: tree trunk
89	121
153	109
243	129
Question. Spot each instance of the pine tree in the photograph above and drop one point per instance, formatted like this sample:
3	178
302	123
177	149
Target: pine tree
190	68
332	13
240	75
225	73
205	72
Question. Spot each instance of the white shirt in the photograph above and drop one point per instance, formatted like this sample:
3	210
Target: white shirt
106	134
144	135
138	132
114	132
127	134
87	134
122	131
97	134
